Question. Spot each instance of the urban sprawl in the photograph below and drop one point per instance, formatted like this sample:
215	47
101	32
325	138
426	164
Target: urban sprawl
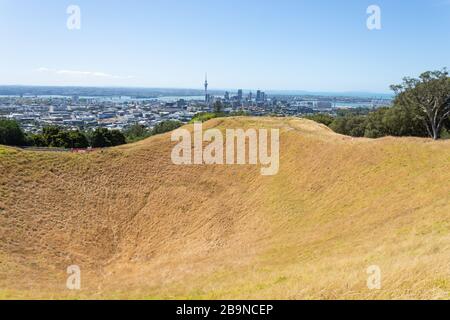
119	112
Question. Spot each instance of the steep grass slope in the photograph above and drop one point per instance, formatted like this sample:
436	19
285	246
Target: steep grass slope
140	227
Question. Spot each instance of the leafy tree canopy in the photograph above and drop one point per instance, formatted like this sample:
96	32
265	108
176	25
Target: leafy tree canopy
11	134
429	97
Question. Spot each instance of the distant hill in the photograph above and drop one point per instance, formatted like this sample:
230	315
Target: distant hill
140	227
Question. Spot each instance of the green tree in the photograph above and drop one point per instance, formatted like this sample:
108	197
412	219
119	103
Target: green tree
323	118
11	134
351	125
166	126
102	138
38	140
353	112
77	139
55	137
430	95
404	121
117	138
137	132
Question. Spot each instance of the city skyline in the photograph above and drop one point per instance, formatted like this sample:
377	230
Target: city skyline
16	89
308	46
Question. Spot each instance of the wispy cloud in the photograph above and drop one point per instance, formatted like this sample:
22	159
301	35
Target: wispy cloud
95	74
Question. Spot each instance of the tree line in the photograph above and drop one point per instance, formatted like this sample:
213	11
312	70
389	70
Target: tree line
421	108
57	137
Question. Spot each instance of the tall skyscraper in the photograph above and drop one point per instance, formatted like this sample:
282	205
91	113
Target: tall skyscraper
206	89
258	95
240	94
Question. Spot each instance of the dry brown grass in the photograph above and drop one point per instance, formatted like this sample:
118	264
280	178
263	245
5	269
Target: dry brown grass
140	227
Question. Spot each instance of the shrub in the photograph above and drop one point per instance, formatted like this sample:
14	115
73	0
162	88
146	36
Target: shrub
166	126
323	118
11	134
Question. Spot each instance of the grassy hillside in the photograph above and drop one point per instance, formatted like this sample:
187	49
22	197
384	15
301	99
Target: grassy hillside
141	227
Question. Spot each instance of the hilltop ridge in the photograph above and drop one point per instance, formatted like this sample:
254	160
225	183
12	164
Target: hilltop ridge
141	227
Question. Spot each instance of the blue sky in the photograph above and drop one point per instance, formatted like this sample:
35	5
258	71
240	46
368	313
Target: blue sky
314	45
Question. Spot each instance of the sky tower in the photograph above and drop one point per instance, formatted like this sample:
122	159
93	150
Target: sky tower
206	88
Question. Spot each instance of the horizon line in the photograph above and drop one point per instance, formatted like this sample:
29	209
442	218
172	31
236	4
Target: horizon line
273	91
